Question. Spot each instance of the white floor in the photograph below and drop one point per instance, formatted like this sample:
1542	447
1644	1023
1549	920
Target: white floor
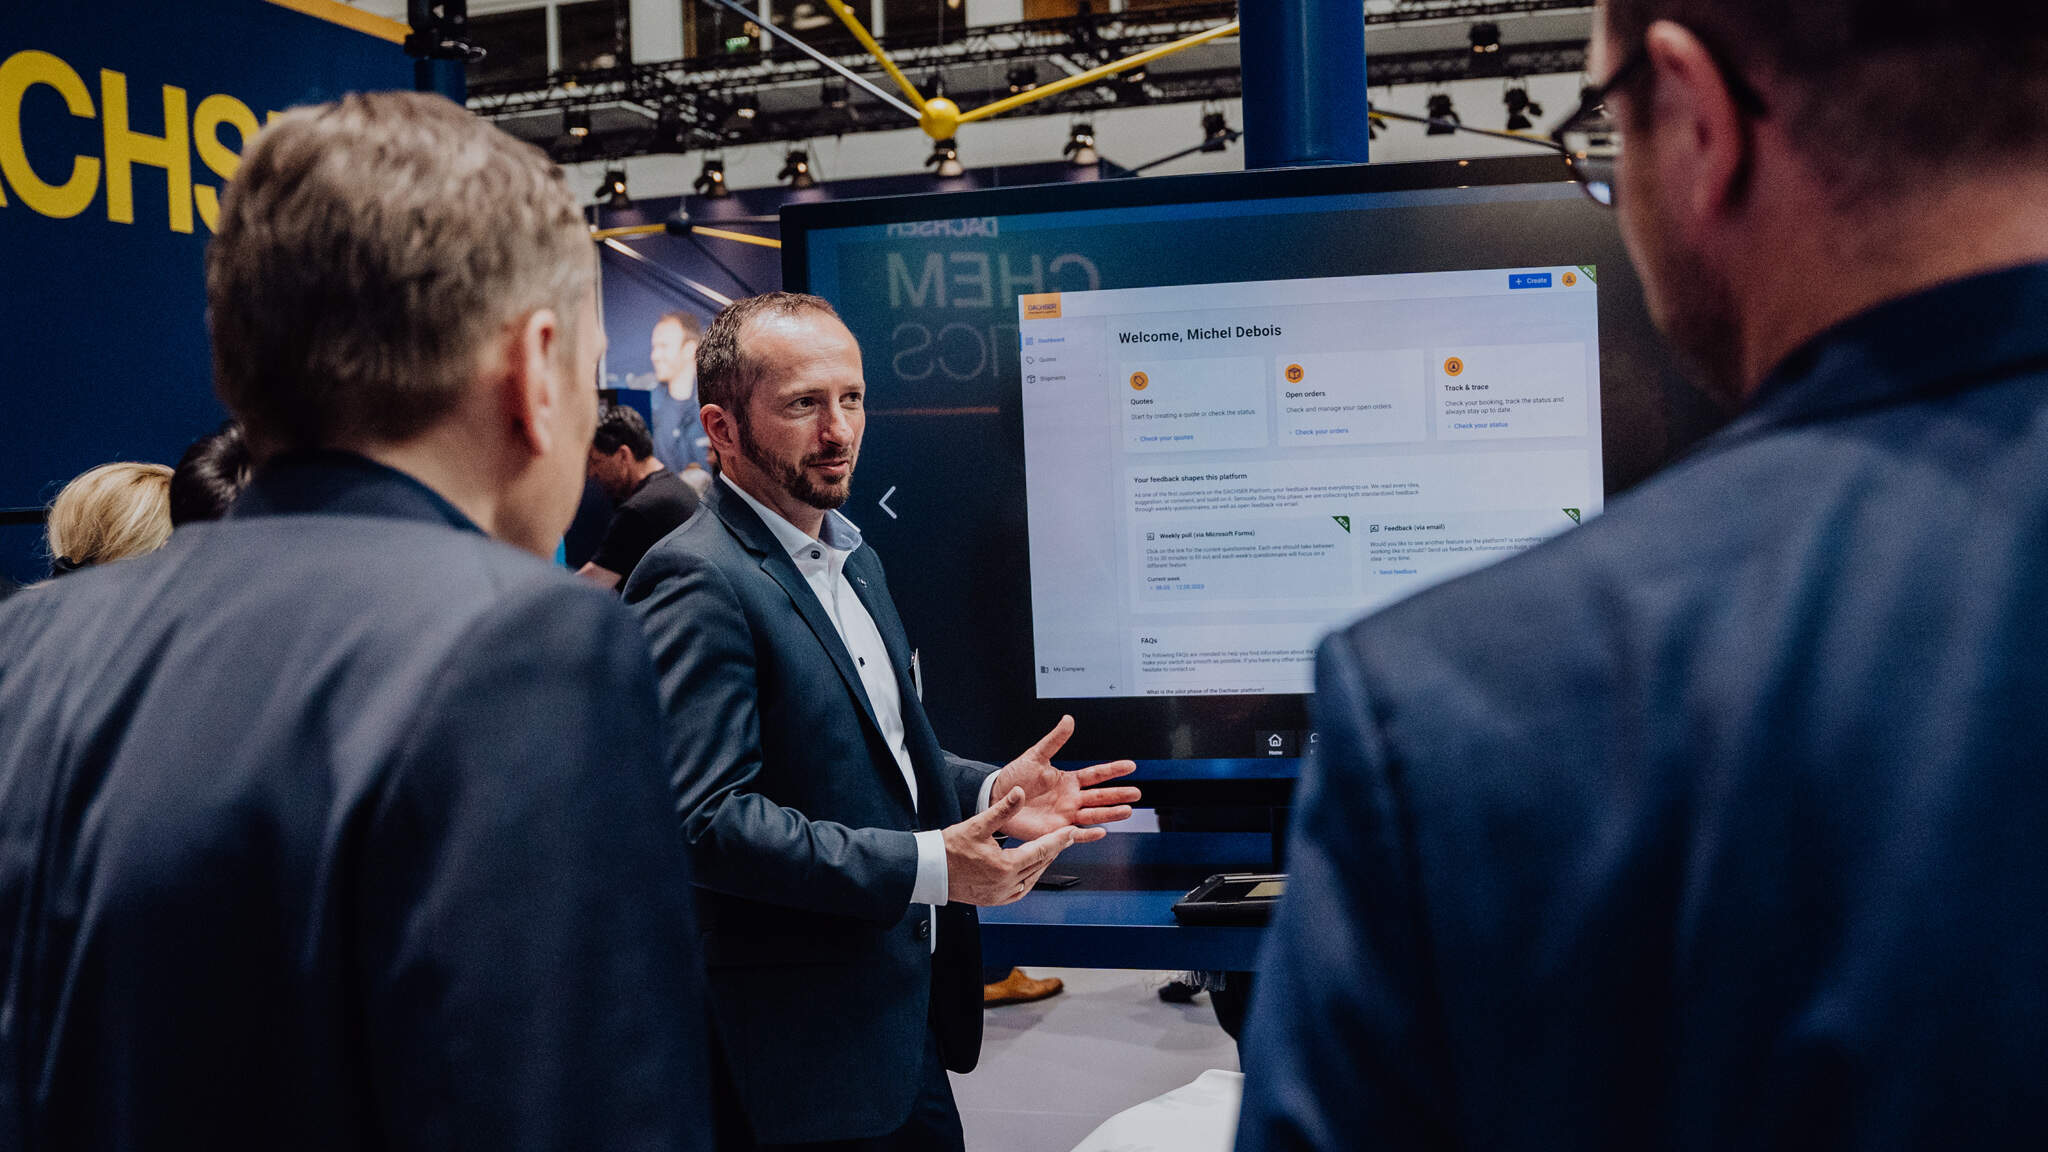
1051	1071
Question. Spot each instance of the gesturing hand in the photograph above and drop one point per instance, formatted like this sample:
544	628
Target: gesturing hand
981	871
1054	799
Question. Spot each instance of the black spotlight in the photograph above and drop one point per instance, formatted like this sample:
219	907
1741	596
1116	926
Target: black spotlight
747	107
1486	56
1022	78
711	181
1215	132
612	193
796	169
1520	109
945	159
576	121
834	93
1080	146
1443	119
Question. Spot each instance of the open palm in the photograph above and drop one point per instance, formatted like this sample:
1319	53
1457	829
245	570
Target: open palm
1055	799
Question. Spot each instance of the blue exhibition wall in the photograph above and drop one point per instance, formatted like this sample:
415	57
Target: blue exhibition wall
119	122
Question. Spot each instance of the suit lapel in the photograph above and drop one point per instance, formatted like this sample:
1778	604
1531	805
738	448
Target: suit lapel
864	572
747	527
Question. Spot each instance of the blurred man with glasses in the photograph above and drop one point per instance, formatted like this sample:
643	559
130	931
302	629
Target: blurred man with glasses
1719	822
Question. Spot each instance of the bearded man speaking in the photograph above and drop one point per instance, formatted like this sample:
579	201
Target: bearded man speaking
839	852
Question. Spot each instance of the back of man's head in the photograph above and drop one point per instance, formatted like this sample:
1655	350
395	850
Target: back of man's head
1885	96
367	252
619	426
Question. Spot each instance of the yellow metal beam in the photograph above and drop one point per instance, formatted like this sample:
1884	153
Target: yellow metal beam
742	237
335	12
603	234
853	25
1093	74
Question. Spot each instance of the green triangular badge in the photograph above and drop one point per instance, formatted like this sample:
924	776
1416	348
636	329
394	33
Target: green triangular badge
1573	513
1343	522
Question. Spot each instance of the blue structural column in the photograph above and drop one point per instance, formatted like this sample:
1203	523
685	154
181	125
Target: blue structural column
448	77
1304	82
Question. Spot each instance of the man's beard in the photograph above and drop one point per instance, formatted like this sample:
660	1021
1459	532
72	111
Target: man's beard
794	479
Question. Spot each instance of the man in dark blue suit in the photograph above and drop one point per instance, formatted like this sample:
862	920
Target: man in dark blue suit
839	851
1720	822
339	824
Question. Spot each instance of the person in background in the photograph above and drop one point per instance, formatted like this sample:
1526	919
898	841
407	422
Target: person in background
339	824
679	439
1720	821
211	473
649	500
109	513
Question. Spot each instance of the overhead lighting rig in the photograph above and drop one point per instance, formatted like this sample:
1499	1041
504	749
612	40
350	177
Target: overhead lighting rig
1521	109
1080	147
945	159
796	169
710	182
798	96
1443	119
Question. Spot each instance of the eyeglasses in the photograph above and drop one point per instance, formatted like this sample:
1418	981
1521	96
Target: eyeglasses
1590	139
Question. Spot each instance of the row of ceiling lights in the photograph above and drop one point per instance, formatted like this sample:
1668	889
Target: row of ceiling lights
1078	151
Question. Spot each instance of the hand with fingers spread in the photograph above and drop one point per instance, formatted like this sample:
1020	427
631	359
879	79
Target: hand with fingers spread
979	870
1054	799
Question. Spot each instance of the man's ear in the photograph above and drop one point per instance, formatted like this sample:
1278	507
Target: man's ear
533	386
720	428
1701	133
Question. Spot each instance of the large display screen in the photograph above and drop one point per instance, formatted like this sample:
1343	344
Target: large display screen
1280	456
1134	446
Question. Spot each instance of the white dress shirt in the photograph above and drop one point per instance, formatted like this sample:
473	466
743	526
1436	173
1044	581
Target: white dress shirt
822	561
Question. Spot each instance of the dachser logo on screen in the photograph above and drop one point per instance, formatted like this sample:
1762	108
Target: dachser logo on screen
977	226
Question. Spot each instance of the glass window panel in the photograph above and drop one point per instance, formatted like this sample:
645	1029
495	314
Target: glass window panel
595	35
515	46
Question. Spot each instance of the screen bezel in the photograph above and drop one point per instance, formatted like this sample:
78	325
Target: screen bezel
1251	779
1153	191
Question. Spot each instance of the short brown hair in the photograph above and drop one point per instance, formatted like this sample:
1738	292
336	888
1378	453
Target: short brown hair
1885	90
110	513
367	252
726	375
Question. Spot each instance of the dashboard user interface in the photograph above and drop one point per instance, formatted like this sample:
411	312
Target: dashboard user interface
1218	474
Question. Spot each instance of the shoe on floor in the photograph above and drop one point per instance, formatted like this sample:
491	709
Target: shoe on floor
1017	988
1179	990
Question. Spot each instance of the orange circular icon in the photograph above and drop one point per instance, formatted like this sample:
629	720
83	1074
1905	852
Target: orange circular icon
1139	380
1453	366
1571	278
1294	373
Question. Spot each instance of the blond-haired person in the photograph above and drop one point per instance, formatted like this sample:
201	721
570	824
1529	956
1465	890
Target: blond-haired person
109	513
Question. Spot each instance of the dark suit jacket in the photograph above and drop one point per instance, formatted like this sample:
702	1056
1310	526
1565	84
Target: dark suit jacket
338	825
1719	822
799	828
